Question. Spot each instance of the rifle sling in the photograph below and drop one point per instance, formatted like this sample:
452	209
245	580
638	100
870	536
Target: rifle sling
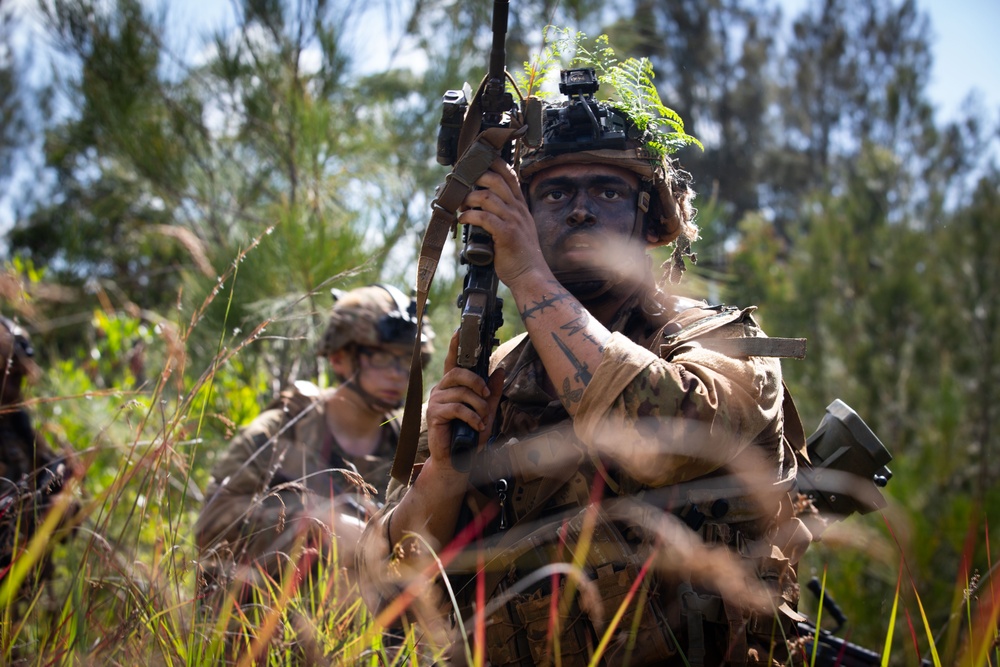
475	162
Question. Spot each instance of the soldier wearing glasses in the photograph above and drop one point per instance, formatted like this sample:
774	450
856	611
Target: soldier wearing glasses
306	471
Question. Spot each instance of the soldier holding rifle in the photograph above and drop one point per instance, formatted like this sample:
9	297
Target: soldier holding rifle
630	495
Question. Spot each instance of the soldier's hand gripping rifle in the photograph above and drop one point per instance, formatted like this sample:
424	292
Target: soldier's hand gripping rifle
473	134
482	309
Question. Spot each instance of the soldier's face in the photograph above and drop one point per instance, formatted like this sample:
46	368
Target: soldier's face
585	215
384	372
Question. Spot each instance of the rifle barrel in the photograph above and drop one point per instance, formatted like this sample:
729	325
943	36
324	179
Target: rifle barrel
498	53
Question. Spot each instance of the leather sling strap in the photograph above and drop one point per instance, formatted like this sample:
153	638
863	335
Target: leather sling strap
473	163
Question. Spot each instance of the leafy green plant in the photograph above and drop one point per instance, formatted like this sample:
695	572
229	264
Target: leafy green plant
632	90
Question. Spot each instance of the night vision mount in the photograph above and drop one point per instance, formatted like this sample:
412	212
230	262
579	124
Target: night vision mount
582	123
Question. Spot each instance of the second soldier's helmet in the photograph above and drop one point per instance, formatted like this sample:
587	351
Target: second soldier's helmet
582	130
374	316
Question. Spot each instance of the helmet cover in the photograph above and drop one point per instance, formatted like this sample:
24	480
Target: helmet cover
373	316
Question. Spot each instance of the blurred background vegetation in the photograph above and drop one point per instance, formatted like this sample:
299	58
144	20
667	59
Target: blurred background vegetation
173	256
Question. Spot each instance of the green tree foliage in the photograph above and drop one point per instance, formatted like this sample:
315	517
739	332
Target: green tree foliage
161	182
12	92
201	210
857	75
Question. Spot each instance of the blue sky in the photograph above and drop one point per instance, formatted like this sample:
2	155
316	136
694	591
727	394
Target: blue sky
965	45
966	51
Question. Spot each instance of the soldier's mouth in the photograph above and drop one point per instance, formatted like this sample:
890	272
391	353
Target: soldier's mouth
580	241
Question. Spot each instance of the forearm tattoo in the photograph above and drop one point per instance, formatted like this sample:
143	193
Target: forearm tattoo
570	395
574	385
546	302
582	370
578	323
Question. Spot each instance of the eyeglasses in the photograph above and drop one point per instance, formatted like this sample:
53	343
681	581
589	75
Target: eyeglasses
382	359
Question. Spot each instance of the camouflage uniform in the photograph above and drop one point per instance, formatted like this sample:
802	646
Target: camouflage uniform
32	474
670	485
285	472
284	462
655	442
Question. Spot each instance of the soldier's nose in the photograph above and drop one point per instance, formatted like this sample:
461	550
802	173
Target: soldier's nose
581	212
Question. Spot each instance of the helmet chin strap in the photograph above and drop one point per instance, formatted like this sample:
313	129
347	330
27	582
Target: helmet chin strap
354	384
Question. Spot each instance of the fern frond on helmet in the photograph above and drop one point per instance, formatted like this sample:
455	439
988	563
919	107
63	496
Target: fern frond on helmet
631	129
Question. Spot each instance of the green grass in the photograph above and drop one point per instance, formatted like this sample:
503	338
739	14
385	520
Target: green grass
123	589
123	592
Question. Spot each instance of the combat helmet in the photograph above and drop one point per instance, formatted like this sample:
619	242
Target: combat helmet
582	130
375	315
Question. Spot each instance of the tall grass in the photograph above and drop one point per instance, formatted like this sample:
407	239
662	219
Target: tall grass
124	588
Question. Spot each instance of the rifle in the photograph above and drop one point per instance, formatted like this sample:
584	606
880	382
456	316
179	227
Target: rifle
481	308
832	651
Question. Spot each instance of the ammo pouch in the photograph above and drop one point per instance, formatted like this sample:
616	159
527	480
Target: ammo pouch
641	636
522	631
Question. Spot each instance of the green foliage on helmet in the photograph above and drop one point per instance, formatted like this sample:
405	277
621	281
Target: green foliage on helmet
627	86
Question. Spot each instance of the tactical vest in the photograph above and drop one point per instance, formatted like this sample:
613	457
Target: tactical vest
541	519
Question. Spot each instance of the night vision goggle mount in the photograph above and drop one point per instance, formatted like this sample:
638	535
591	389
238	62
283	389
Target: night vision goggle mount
582	123
400	325
579	123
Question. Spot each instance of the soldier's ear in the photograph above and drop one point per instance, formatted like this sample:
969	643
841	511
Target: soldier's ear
342	362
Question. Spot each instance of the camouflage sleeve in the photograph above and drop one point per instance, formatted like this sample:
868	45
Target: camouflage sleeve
242	498
666	421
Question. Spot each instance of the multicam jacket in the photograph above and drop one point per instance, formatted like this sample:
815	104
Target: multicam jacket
284	461
678	447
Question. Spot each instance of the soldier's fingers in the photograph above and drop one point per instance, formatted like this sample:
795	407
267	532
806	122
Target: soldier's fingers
508	175
464	395
488	201
450	404
463	377
464	413
450	359
500	181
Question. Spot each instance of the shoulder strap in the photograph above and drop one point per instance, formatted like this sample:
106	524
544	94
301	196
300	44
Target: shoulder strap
697	322
475	162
